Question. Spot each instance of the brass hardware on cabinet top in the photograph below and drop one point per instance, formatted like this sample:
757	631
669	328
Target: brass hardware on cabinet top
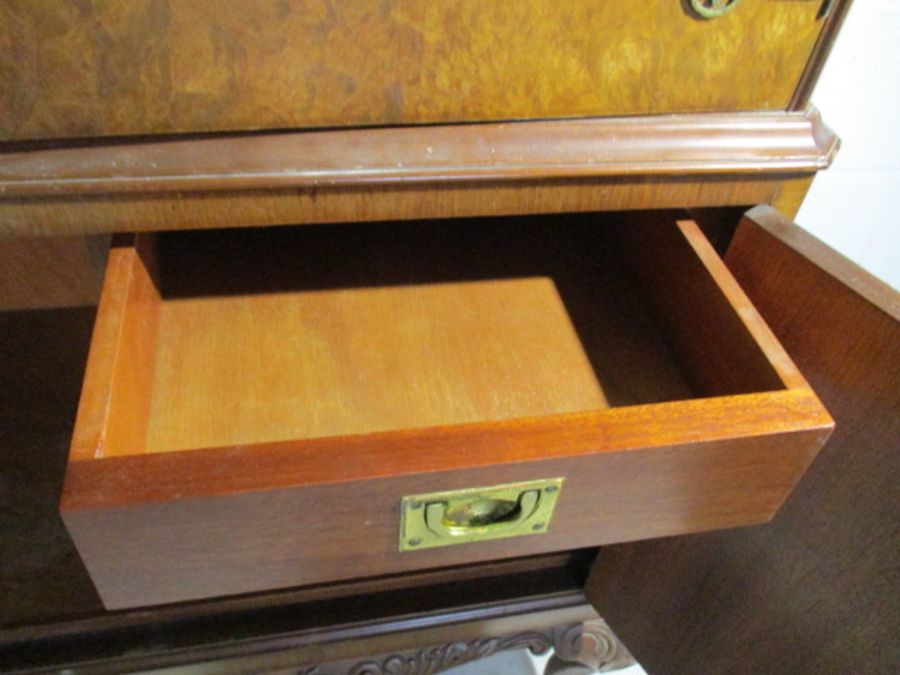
477	514
710	9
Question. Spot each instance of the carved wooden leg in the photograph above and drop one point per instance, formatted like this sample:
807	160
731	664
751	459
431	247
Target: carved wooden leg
588	647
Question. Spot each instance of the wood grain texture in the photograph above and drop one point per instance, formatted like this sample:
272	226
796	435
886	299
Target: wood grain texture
214	210
355	361
51	272
815	590
160	477
633	471
173	66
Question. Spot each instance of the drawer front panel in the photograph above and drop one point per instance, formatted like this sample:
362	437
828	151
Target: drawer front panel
172	66
198	548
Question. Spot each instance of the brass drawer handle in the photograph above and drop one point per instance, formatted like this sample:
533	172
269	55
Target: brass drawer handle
477	514
463	517
710	9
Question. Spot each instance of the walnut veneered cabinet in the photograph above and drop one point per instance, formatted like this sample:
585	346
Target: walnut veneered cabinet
498	263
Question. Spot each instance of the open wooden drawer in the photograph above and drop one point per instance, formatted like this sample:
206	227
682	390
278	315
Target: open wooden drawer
257	403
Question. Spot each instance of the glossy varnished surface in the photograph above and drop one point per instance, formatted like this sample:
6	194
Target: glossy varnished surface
170	66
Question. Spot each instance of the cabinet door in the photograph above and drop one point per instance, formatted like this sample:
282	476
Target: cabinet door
815	590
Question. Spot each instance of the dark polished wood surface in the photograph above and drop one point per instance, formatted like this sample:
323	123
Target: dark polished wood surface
815	591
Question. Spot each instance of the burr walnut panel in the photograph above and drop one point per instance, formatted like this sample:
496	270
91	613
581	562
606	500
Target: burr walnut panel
102	67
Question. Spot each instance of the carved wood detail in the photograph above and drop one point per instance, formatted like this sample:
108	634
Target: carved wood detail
590	646
436	659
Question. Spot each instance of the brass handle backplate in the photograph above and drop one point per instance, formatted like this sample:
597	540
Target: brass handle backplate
477	514
710	9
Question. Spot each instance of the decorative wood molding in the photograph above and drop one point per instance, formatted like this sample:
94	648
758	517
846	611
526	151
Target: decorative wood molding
443	657
590	646
772	142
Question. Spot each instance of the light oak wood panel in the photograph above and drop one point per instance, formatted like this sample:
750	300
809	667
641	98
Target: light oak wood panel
352	361
173	66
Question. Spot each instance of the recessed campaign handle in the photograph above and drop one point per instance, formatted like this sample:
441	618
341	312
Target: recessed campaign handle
477	514
484	514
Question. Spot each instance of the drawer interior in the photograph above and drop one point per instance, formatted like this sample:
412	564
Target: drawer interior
249	336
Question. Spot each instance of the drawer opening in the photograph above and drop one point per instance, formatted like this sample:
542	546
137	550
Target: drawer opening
250	336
